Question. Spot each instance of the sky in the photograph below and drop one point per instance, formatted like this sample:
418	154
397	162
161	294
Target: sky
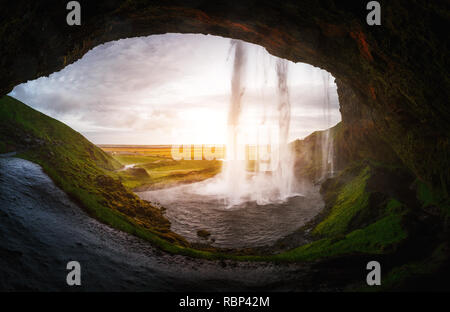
175	89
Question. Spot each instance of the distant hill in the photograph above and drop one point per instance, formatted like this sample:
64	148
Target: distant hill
25	129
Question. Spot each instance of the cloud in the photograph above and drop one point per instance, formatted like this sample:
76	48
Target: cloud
139	90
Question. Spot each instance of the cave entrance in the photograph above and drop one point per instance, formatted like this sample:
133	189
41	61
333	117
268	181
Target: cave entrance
149	100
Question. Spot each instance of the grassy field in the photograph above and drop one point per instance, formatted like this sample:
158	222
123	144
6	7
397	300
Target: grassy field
151	167
142	150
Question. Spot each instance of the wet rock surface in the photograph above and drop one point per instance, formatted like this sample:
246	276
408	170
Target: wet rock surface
42	230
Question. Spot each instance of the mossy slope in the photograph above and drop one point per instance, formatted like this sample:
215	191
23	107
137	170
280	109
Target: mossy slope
80	168
356	219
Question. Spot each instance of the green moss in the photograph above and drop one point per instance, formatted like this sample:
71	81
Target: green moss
376	238
351	199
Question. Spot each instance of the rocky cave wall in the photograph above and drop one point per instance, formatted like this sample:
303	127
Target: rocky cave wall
392	79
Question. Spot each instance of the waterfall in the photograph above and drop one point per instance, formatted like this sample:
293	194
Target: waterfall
272	177
235	168
327	169
285	172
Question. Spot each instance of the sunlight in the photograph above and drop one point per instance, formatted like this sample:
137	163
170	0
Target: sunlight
172	89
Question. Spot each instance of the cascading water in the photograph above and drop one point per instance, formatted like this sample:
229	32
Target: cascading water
327	140
272	177
234	168
285	171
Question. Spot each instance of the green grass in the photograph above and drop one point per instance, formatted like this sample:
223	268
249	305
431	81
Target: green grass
163	171
138	159
373	239
351	199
